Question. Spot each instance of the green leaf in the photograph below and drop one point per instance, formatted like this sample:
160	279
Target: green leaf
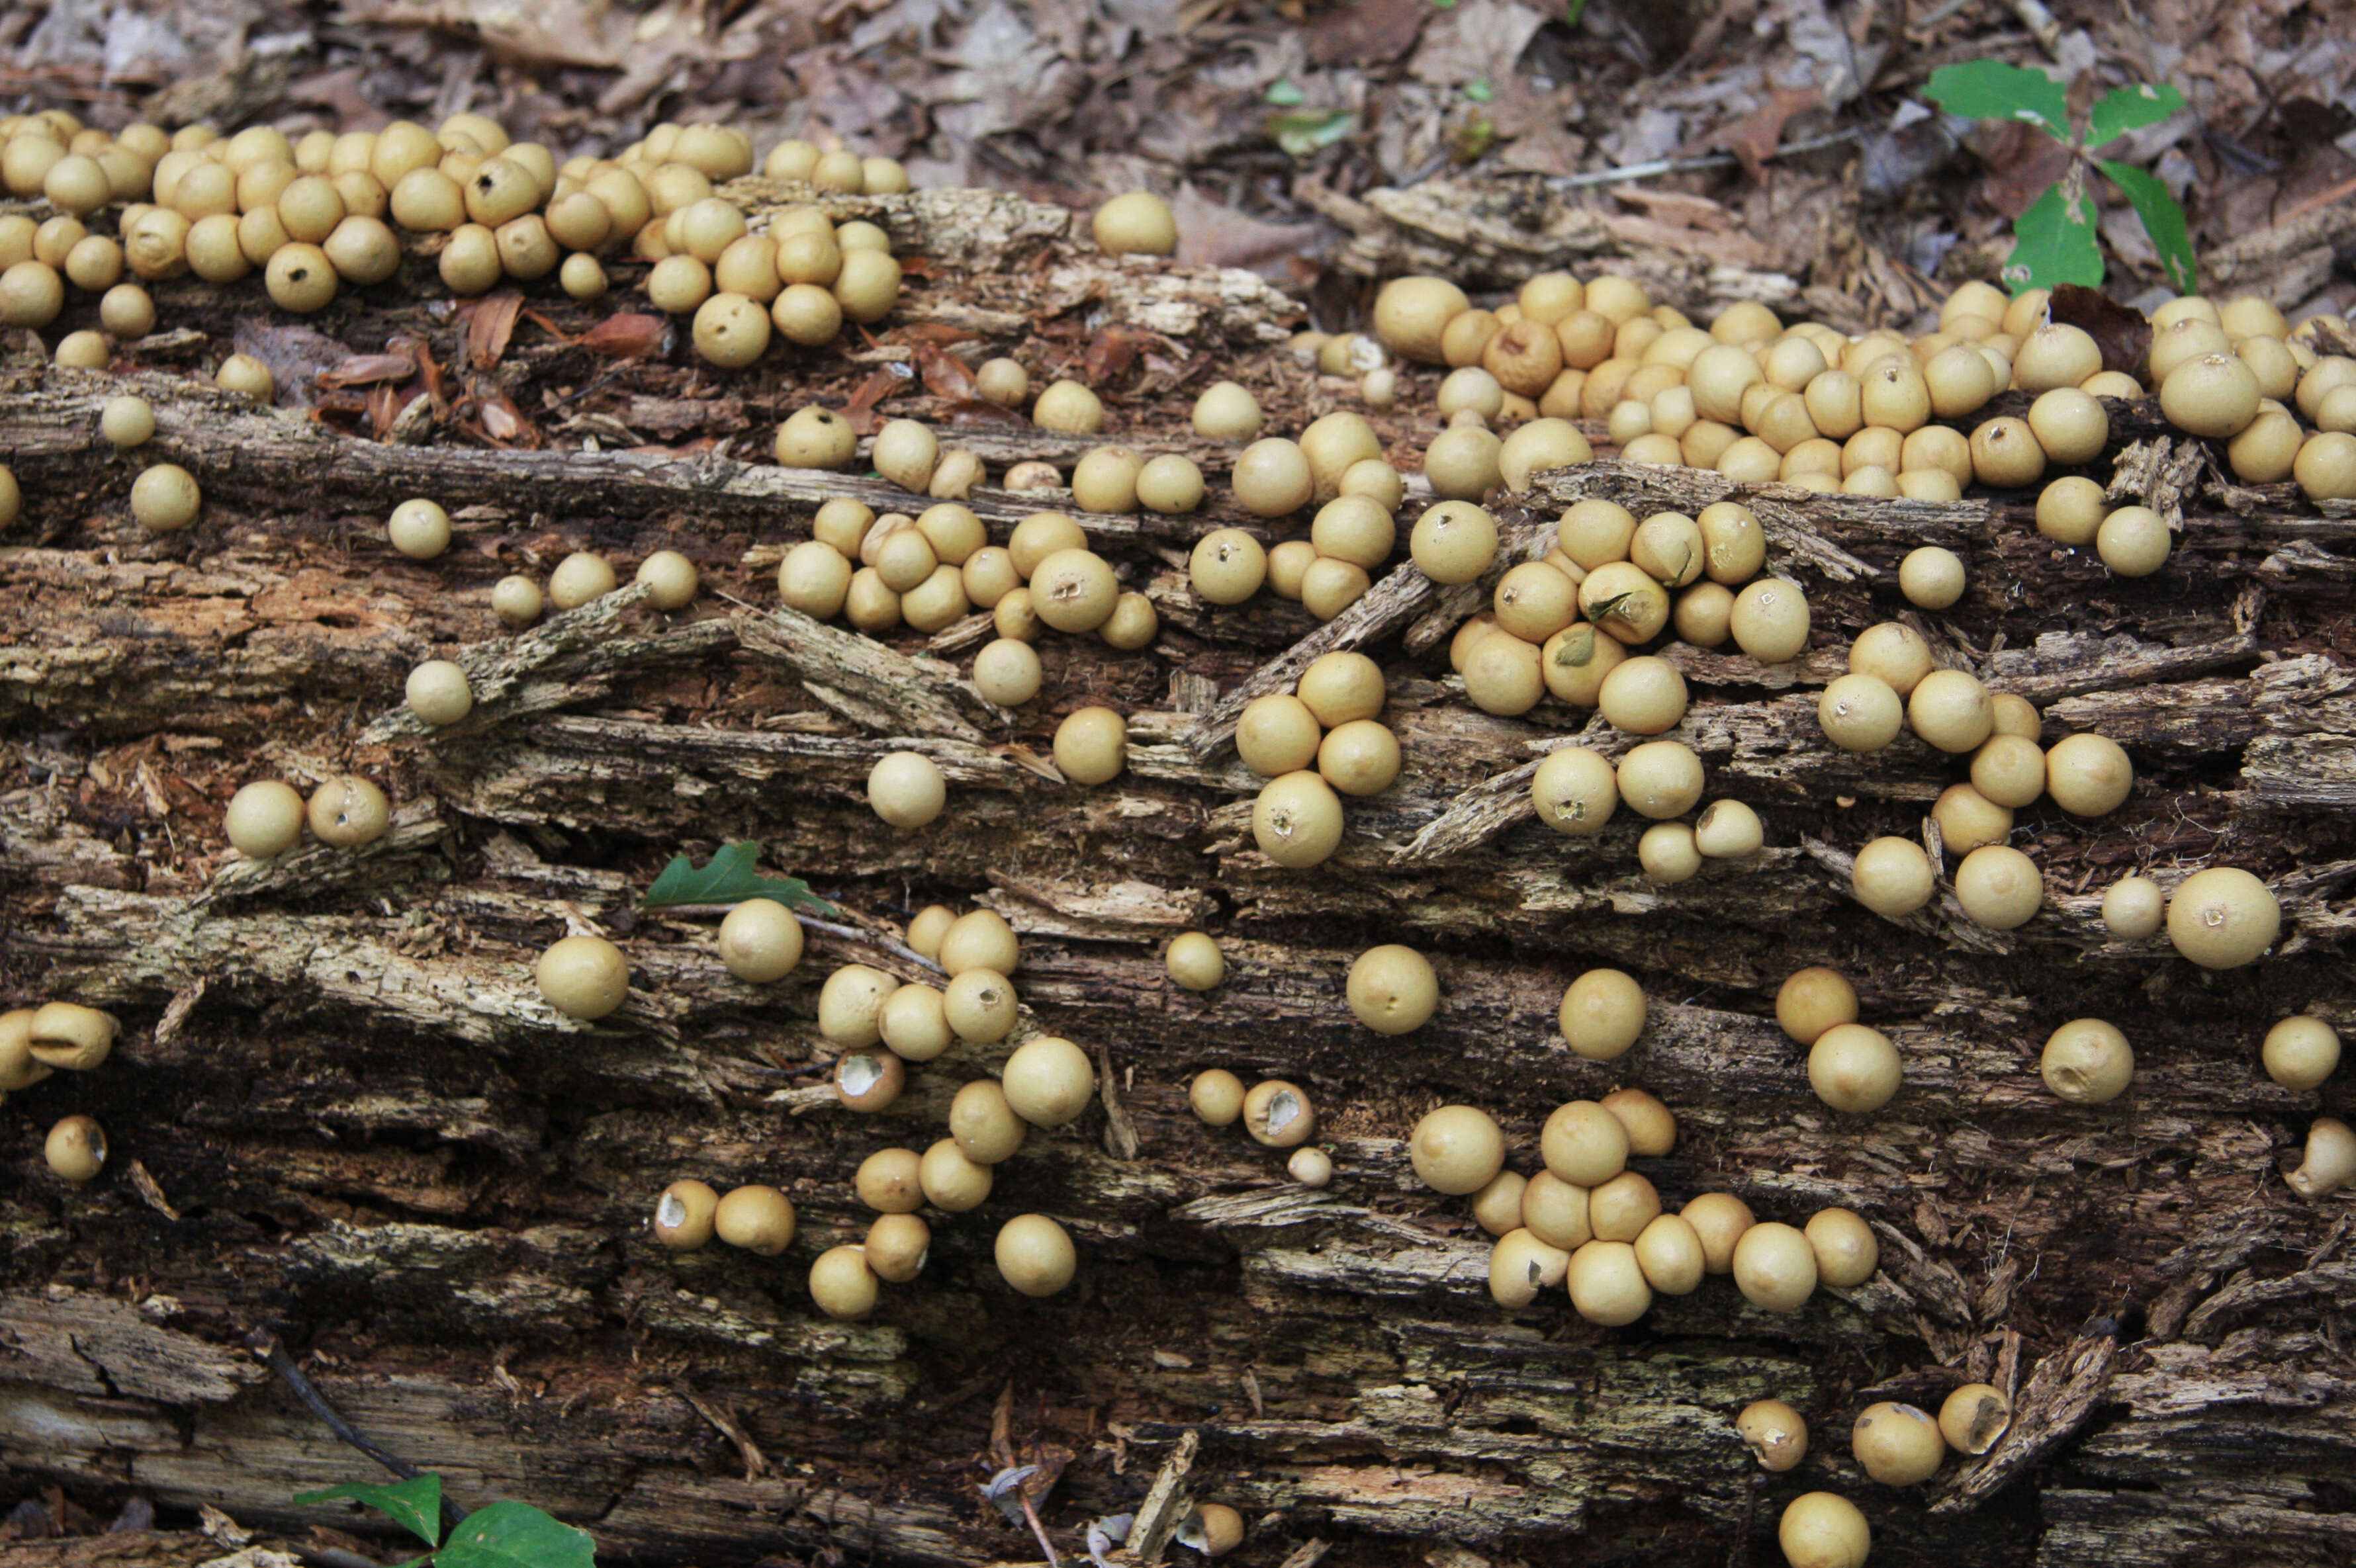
731	876
1991	89
1285	95
2131	108
1479	91
2056	241
1303	131
415	1505
2163	219
515	1535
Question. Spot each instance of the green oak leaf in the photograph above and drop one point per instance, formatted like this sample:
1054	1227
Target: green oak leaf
1991	89
415	1505
2163	219
515	1535
2056	241
730	876
2131	108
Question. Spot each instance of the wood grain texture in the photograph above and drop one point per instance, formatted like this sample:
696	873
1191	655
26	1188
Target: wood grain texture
361	1125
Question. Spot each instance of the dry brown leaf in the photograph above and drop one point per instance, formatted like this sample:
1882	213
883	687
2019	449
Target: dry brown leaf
628	336
1754	138
490	324
945	375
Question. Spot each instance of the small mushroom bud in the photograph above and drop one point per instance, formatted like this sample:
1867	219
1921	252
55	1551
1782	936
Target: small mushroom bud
1456	1149
1310	1166
1556	1211
1775	1267
1278	1115
843	1284
1048	1082
1520	1266
953	1180
1607	1284
1814	1000
75	1149
1036	1254
265	818
2330	1162
348	813
851	1005
2223	917
1392	991
1974	1417
757	1218
1855	1069
1823	1529
70	1037
1847	1254
897	1247
583	977
1602	1013
1193	961
2301	1052
1213	1529
984	1125
1899	1444
1670	1254
685	1215
1619	1209
1216	1097
760	940
1719	1219
869	1081
1652	1127
1583	1144
2088	1062
1775	1431
890	1181
1497	1207
438	692
19	1068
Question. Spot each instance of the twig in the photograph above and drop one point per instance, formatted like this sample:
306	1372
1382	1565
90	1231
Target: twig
1707	161
267	1348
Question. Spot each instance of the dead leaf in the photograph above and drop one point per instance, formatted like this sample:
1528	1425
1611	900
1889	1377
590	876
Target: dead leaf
860	408
1754	138
490	324
1372	32
945	375
976	411
628	336
365	369
1211	234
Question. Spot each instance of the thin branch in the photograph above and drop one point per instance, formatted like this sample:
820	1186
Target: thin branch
1659	166
271	1352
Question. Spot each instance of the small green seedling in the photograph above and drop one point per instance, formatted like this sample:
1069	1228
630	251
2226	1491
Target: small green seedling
501	1535
2056	237
730	876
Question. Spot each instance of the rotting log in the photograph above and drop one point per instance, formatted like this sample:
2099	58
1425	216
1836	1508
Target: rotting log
341	1111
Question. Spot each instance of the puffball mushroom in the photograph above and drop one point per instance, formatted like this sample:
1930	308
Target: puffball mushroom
1823	1529
2223	918
2330	1161
1392	991
1775	1431
1456	1149
583	977
1036	1254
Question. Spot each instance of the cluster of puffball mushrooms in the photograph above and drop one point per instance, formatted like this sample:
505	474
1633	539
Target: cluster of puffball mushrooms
1747	396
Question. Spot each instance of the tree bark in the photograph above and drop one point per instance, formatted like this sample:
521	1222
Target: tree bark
341	1111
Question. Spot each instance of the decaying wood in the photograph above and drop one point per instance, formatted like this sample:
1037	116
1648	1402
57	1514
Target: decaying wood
359	1125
